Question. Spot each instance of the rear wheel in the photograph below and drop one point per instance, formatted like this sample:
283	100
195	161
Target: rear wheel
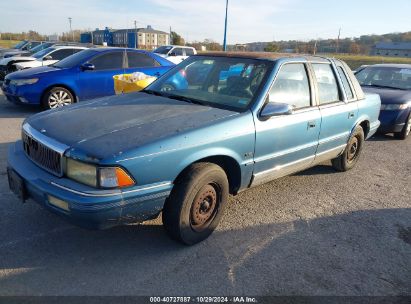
57	97
406	130
196	204
352	152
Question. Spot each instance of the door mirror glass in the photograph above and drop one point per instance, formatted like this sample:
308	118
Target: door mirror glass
172	54
87	67
275	109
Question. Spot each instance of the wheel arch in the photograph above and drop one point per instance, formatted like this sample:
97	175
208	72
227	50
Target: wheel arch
229	164
364	123
59	85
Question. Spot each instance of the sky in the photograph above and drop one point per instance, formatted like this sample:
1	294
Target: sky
196	20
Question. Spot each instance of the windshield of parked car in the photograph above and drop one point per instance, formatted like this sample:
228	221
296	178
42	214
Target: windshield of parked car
223	82
74	60
387	77
19	45
40	47
163	50
41	53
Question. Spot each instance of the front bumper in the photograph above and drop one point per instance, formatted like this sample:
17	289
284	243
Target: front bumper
88	207
26	94
393	121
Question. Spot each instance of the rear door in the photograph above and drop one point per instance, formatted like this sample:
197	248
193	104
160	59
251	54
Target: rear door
339	111
99	82
287	143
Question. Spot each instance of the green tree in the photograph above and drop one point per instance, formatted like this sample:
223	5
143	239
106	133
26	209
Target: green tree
272	47
176	39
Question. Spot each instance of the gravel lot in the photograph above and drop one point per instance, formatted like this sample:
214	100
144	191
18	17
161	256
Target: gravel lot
314	233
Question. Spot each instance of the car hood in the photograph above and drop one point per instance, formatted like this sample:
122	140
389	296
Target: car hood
38	71
5	61
108	126
390	96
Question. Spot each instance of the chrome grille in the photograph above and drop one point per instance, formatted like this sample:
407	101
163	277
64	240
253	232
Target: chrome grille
42	155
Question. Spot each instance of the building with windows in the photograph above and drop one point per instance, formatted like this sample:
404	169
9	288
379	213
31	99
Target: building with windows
392	49
144	38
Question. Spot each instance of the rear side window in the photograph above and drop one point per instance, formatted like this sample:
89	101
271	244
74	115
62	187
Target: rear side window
139	60
108	61
189	52
292	86
346	84
327	84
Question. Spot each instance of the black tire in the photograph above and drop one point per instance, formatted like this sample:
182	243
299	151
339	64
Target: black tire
352	152
406	130
57	97
196	204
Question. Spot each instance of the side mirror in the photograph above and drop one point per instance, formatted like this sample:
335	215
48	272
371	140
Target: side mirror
87	67
172	54
48	57
275	109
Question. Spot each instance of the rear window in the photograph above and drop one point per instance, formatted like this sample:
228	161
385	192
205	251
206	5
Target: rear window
327	84
189	52
139	60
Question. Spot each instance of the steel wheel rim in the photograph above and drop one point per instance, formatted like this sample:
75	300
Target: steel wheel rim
204	208
353	148
59	99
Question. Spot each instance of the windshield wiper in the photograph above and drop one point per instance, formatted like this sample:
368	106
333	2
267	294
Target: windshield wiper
154	93
186	99
383	86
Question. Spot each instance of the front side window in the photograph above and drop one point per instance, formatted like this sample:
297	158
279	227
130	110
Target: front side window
327	84
222	82
178	51
108	61
291	86
61	54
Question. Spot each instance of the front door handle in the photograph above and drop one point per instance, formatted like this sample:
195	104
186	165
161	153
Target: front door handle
311	124
351	115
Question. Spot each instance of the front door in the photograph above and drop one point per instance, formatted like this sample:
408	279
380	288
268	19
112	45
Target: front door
99	82
287	143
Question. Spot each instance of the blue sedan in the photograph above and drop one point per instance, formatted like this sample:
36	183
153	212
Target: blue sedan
85	75
393	83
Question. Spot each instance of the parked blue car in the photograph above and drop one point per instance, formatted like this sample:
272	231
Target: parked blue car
85	75
182	151
393	83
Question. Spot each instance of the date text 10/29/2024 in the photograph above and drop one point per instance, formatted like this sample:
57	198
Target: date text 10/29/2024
203	300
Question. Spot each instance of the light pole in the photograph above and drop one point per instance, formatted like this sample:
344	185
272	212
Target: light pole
71	31
225	28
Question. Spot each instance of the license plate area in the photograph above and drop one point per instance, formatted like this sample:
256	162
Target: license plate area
16	185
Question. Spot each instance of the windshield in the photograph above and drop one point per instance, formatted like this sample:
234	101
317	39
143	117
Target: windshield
40	47
388	77
75	60
223	82
19	45
41	53
163	50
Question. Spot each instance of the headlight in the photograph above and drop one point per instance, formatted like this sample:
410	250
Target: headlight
392	107
81	172
104	177
19	82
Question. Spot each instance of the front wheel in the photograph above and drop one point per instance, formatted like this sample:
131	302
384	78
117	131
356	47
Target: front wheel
57	97
406	130
196	204
352	152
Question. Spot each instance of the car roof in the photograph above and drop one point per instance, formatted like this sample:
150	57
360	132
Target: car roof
264	55
57	47
107	49
391	65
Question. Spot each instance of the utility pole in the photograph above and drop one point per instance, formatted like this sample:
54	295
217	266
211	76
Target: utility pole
135	34
71	31
225	27
338	41
171	37
315	48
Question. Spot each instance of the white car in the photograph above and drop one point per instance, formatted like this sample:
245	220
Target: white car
175	53
48	56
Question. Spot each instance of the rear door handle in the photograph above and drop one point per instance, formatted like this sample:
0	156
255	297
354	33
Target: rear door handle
351	115
311	124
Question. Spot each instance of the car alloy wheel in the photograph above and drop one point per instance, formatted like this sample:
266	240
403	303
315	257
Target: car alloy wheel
58	99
